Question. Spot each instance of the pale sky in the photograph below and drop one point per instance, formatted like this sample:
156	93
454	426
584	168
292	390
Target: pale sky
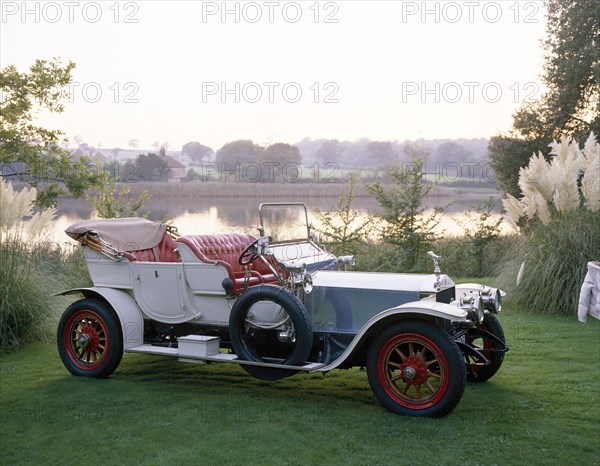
387	70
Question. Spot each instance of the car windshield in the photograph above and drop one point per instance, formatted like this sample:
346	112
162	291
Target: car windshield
284	222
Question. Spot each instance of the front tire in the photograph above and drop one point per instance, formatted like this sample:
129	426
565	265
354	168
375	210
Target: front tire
415	369
89	339
490	349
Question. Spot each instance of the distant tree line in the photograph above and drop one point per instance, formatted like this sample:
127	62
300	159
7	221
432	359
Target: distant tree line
463	157
345	154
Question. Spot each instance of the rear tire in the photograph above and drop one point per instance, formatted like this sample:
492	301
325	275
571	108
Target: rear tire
415	369
89	339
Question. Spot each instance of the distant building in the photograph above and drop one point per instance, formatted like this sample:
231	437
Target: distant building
176	169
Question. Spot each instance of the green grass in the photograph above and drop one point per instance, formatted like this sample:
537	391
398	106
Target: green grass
543	407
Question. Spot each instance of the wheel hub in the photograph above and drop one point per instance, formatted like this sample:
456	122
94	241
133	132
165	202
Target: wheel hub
83	341
414	371
88	339
409	373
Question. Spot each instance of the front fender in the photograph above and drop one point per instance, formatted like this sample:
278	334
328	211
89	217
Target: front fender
415	309
129	313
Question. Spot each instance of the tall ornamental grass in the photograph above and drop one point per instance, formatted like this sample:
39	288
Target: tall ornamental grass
23	304
558	220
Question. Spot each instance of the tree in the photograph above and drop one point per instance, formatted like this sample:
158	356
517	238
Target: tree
451	152
241	151
330	152
115	152
281	161
381	153
32	153
85	148
133	143
281	152
151	167
190	175
507	154
196	152
572	69
571	105
404	224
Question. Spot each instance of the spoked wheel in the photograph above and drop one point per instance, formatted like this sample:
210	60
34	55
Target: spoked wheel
89	339
268	324
415	369
478	372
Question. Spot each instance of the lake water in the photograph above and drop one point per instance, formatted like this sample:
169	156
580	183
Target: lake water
221	215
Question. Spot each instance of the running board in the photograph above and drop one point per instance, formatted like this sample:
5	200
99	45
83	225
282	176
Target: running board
219	357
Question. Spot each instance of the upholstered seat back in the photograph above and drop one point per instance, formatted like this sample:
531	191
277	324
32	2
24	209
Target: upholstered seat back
222	248
225	250
164	251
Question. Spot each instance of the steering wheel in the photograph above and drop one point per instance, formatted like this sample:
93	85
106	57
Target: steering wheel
250	254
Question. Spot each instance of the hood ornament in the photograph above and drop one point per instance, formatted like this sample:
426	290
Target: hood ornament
436	269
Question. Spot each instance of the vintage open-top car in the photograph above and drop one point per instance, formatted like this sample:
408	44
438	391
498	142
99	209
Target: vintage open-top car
277	304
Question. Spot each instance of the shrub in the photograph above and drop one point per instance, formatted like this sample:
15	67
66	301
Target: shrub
341	228
111	202
464	257
559	220
23	305
482	232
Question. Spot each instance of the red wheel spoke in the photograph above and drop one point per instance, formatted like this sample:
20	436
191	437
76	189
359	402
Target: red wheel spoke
413	370
429	363
88	340
400	353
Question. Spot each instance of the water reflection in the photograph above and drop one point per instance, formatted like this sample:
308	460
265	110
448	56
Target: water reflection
220	215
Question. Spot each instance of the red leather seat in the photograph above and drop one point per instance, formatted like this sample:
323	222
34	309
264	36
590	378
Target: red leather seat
225	250
162	252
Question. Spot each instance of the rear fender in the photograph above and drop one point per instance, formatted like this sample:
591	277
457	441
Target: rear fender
129	314
436	313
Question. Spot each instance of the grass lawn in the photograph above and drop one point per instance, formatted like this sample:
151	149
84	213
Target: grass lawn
543	407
